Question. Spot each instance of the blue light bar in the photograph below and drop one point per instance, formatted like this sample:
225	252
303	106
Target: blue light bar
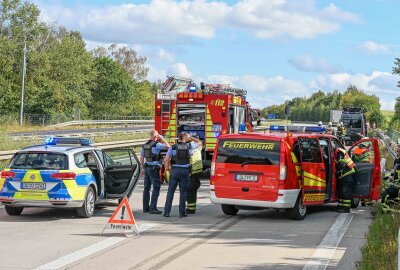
57	140
277	128
315	129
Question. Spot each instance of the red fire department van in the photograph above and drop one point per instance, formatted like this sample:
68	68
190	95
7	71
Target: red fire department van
284	171
206	112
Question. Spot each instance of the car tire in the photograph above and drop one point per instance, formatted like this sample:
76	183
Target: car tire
87	209
355	202
14	211
229	209
298	212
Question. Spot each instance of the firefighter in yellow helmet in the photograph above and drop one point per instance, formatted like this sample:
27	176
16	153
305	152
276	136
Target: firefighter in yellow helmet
345	171
194	185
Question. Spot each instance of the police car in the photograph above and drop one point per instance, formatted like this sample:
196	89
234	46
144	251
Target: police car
67	173
286	169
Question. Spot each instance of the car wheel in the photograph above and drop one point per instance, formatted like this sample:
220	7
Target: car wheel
229	209
87	209
299	211
14	211
355	202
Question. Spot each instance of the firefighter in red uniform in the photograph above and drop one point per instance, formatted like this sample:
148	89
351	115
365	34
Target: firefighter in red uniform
345	170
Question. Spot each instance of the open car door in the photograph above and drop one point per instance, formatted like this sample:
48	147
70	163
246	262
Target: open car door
121	172
368	177
314	174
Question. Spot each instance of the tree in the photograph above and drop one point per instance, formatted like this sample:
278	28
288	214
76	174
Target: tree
128	58
396	69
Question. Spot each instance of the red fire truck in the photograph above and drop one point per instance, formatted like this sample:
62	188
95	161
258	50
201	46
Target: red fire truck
206	111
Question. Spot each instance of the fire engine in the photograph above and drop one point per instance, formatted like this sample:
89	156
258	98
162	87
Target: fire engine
286	170
206	112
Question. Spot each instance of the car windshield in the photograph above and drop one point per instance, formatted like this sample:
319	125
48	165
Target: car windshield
249	151
39	161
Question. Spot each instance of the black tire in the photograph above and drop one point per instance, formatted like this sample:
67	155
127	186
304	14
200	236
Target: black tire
355	202
87	209
14	211
298	212
229	209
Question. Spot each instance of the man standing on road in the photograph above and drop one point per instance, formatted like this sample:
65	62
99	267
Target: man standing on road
197	167
150	159
345	170
179	154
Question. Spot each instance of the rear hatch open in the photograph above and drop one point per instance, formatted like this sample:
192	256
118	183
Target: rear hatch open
247	169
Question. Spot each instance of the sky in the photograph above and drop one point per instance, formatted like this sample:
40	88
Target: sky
274	49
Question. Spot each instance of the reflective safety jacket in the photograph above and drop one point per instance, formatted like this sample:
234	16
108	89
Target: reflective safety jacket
362	155
341	131
196	161
344	164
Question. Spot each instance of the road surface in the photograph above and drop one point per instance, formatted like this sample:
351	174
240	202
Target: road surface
57	239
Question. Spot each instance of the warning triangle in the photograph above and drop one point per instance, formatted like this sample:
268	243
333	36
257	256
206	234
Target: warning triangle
123	214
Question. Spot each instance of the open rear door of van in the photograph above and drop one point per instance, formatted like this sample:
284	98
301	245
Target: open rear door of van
368	177
314	174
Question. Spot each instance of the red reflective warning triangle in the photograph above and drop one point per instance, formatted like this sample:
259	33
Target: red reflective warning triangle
123	210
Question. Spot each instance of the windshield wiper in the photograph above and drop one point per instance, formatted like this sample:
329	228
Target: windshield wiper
267	160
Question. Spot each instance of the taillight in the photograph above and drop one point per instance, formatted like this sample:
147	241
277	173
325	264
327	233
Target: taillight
282	172
64	176
212	170
7	174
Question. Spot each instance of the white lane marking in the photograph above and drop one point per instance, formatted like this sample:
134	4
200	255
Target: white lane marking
90	250
326	249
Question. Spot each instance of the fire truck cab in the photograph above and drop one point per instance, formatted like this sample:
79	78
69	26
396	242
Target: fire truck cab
285	171
206	112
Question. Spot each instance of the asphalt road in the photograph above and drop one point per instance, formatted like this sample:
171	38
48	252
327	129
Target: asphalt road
54	238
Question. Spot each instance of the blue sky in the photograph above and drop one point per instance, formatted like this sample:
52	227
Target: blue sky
275	49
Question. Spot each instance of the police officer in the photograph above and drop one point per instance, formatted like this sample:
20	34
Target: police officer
345	171
178	161
197	167
150	159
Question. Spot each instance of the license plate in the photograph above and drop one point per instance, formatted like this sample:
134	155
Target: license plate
246	178
35	186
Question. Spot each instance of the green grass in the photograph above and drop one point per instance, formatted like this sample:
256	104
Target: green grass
380	251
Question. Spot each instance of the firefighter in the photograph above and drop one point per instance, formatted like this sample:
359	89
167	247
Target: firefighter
150	159
341	132
329	129
345	170
320	123
362	153
178	161
197	167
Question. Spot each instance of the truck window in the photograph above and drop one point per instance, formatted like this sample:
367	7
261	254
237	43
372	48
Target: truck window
237	151
352	120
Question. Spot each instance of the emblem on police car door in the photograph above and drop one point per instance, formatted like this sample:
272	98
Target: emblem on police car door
32	177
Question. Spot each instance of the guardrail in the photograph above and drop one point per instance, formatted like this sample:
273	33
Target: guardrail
6	155
104	122
388	147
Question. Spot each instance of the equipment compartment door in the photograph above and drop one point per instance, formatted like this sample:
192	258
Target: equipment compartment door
314	175
121	172
368	176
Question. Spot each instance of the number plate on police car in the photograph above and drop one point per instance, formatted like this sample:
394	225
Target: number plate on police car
36	186
246	178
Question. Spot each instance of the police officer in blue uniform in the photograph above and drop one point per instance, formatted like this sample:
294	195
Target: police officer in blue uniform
150	159
178	160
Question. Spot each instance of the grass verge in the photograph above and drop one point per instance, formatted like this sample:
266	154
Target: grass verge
380	251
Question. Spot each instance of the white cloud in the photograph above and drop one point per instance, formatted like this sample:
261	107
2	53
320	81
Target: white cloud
169	21
166	56
308	63
373	47
179	69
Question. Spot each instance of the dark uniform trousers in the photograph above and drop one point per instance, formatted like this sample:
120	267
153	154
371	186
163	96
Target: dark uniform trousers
192	192
346	191
179	176
151	178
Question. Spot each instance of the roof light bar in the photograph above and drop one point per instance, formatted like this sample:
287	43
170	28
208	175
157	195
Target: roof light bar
57	140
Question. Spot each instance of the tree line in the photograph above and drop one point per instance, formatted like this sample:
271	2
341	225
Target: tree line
317	107
62	76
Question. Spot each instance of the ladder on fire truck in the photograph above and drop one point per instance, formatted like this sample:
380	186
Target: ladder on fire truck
223	89
167	94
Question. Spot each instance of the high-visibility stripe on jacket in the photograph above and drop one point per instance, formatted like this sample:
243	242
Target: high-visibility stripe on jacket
344	165
196	161
364	157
